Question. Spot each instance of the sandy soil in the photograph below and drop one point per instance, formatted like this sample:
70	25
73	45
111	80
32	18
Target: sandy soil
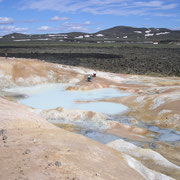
33	146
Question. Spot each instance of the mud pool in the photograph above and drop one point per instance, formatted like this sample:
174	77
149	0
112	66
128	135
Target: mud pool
55	95
168	135
105	138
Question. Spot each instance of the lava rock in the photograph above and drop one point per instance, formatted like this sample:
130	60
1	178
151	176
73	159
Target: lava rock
34	140
4	138
58	163
97	174
27	151
3	132
50	164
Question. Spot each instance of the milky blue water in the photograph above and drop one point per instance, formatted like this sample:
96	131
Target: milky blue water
55	95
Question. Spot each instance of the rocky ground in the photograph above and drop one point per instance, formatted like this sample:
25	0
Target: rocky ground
33	148
144	59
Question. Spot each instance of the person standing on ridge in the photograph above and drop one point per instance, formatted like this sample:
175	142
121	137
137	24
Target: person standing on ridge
5	53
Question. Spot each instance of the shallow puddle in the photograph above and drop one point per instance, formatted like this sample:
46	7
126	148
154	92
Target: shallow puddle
166	135
105	138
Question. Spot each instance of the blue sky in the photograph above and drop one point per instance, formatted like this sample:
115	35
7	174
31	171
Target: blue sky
55	16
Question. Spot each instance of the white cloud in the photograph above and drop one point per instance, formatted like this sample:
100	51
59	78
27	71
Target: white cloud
45	28
169	6
98	28
148	4
57	18
20	29
66	27
155	4
6	20
87	23
29	21
176	28
164	15
6	28
11	29
69	27
112	7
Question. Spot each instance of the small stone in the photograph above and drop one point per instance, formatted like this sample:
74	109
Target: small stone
27	151
3	132
4	138
50	164
34	140
97	174
22	172
58	163
46	156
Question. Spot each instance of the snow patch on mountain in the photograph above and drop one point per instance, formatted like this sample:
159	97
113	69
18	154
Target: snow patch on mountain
138	32
162	33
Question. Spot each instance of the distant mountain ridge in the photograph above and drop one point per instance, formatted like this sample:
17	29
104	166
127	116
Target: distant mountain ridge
124	30
111	35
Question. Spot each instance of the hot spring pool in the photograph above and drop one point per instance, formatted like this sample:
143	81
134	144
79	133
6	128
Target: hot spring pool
51	96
